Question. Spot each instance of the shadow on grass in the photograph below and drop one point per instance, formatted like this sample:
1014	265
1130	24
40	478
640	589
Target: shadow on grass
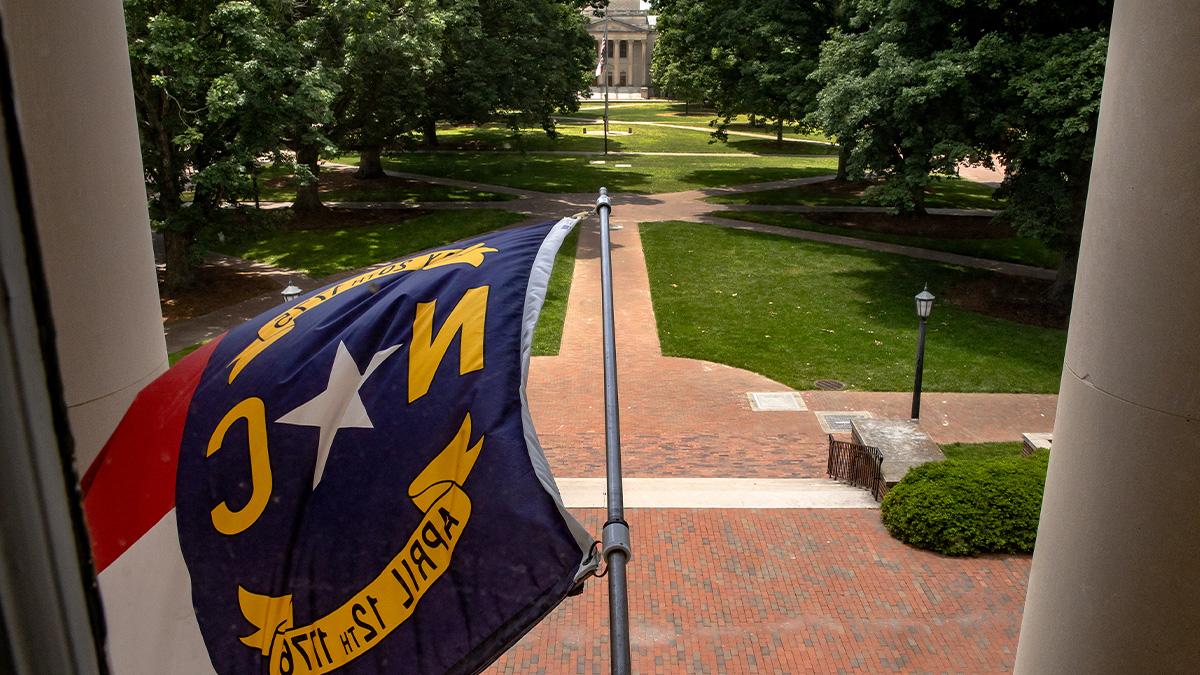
800	311
764	146
742	176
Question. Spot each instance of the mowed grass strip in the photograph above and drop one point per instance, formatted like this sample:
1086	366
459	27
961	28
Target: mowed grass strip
693	115
581	136
547	339
645	175
322	252
945	193
1012	249
276	184
982	451
799	311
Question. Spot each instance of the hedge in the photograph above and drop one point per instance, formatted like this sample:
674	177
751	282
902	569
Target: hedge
962	507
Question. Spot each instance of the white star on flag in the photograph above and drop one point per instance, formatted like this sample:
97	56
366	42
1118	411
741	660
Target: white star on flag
339	406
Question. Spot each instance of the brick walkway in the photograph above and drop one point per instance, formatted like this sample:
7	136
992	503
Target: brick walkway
749	590
745	590
790	591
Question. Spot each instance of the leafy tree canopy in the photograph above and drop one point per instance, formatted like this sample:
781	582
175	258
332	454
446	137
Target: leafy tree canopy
917	88
743	58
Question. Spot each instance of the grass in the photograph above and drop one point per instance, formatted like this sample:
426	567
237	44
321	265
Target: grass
1012	249
799	311
175	356
645	175
673	113
391	190
982	451
548	337
645	138
946	193
322	252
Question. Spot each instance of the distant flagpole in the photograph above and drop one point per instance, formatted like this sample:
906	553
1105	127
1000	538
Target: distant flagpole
604	50
616	530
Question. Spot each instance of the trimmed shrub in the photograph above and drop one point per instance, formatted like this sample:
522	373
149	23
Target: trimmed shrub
961	507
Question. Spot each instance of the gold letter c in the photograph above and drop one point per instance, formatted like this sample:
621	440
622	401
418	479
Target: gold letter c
226	520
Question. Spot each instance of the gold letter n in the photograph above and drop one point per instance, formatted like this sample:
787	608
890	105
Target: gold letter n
428	350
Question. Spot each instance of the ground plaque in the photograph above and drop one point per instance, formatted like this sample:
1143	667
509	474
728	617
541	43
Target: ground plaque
771	401
903	444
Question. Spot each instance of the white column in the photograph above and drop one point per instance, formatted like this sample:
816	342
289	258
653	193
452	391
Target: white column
1115	584
635	51
74	98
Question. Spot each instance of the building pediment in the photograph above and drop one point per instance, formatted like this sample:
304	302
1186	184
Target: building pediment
619	25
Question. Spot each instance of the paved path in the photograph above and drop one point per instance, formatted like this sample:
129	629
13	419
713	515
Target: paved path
773	574
714	591
766	577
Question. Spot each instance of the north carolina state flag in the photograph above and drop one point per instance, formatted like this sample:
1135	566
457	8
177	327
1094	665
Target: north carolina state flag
351	482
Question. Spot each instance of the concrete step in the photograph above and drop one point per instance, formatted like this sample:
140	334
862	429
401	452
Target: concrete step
719	493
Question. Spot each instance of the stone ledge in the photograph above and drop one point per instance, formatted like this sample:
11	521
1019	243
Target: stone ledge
903	444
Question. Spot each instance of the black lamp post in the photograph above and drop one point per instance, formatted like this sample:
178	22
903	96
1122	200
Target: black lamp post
924	307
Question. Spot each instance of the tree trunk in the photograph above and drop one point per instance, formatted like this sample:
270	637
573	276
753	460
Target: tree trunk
779	134
1063	288
308	192
919	202
843	160
369	164
179	270
429	131
686	107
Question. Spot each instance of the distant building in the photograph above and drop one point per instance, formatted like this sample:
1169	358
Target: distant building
630	46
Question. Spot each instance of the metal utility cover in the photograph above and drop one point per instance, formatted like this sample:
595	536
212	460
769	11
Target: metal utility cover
838	422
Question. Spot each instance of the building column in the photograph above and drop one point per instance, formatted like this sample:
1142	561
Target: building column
1114	586
74	99
638	60
621	63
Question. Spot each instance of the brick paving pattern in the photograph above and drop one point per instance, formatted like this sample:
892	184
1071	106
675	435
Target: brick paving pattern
754	591
786	591
746	590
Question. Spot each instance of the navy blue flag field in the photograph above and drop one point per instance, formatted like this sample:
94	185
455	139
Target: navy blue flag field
350	482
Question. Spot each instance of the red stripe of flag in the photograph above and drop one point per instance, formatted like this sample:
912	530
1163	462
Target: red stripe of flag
131	484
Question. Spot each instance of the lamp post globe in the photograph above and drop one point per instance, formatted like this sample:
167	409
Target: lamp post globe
291	292
924	303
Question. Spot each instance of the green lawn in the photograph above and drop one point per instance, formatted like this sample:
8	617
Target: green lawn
322	252
950	193
1013	249
644	138
799	311
982	451
645	175
548	337
175	356
388	190
673	113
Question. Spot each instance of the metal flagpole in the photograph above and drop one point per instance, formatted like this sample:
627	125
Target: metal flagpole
605	74
616	530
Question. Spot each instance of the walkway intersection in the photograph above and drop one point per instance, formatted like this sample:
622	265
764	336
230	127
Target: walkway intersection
763	586
746	558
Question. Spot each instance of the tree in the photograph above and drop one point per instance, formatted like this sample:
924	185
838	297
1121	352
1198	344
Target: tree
919	88
216	85
384	52
521	60
1045	131
743	58
895	90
